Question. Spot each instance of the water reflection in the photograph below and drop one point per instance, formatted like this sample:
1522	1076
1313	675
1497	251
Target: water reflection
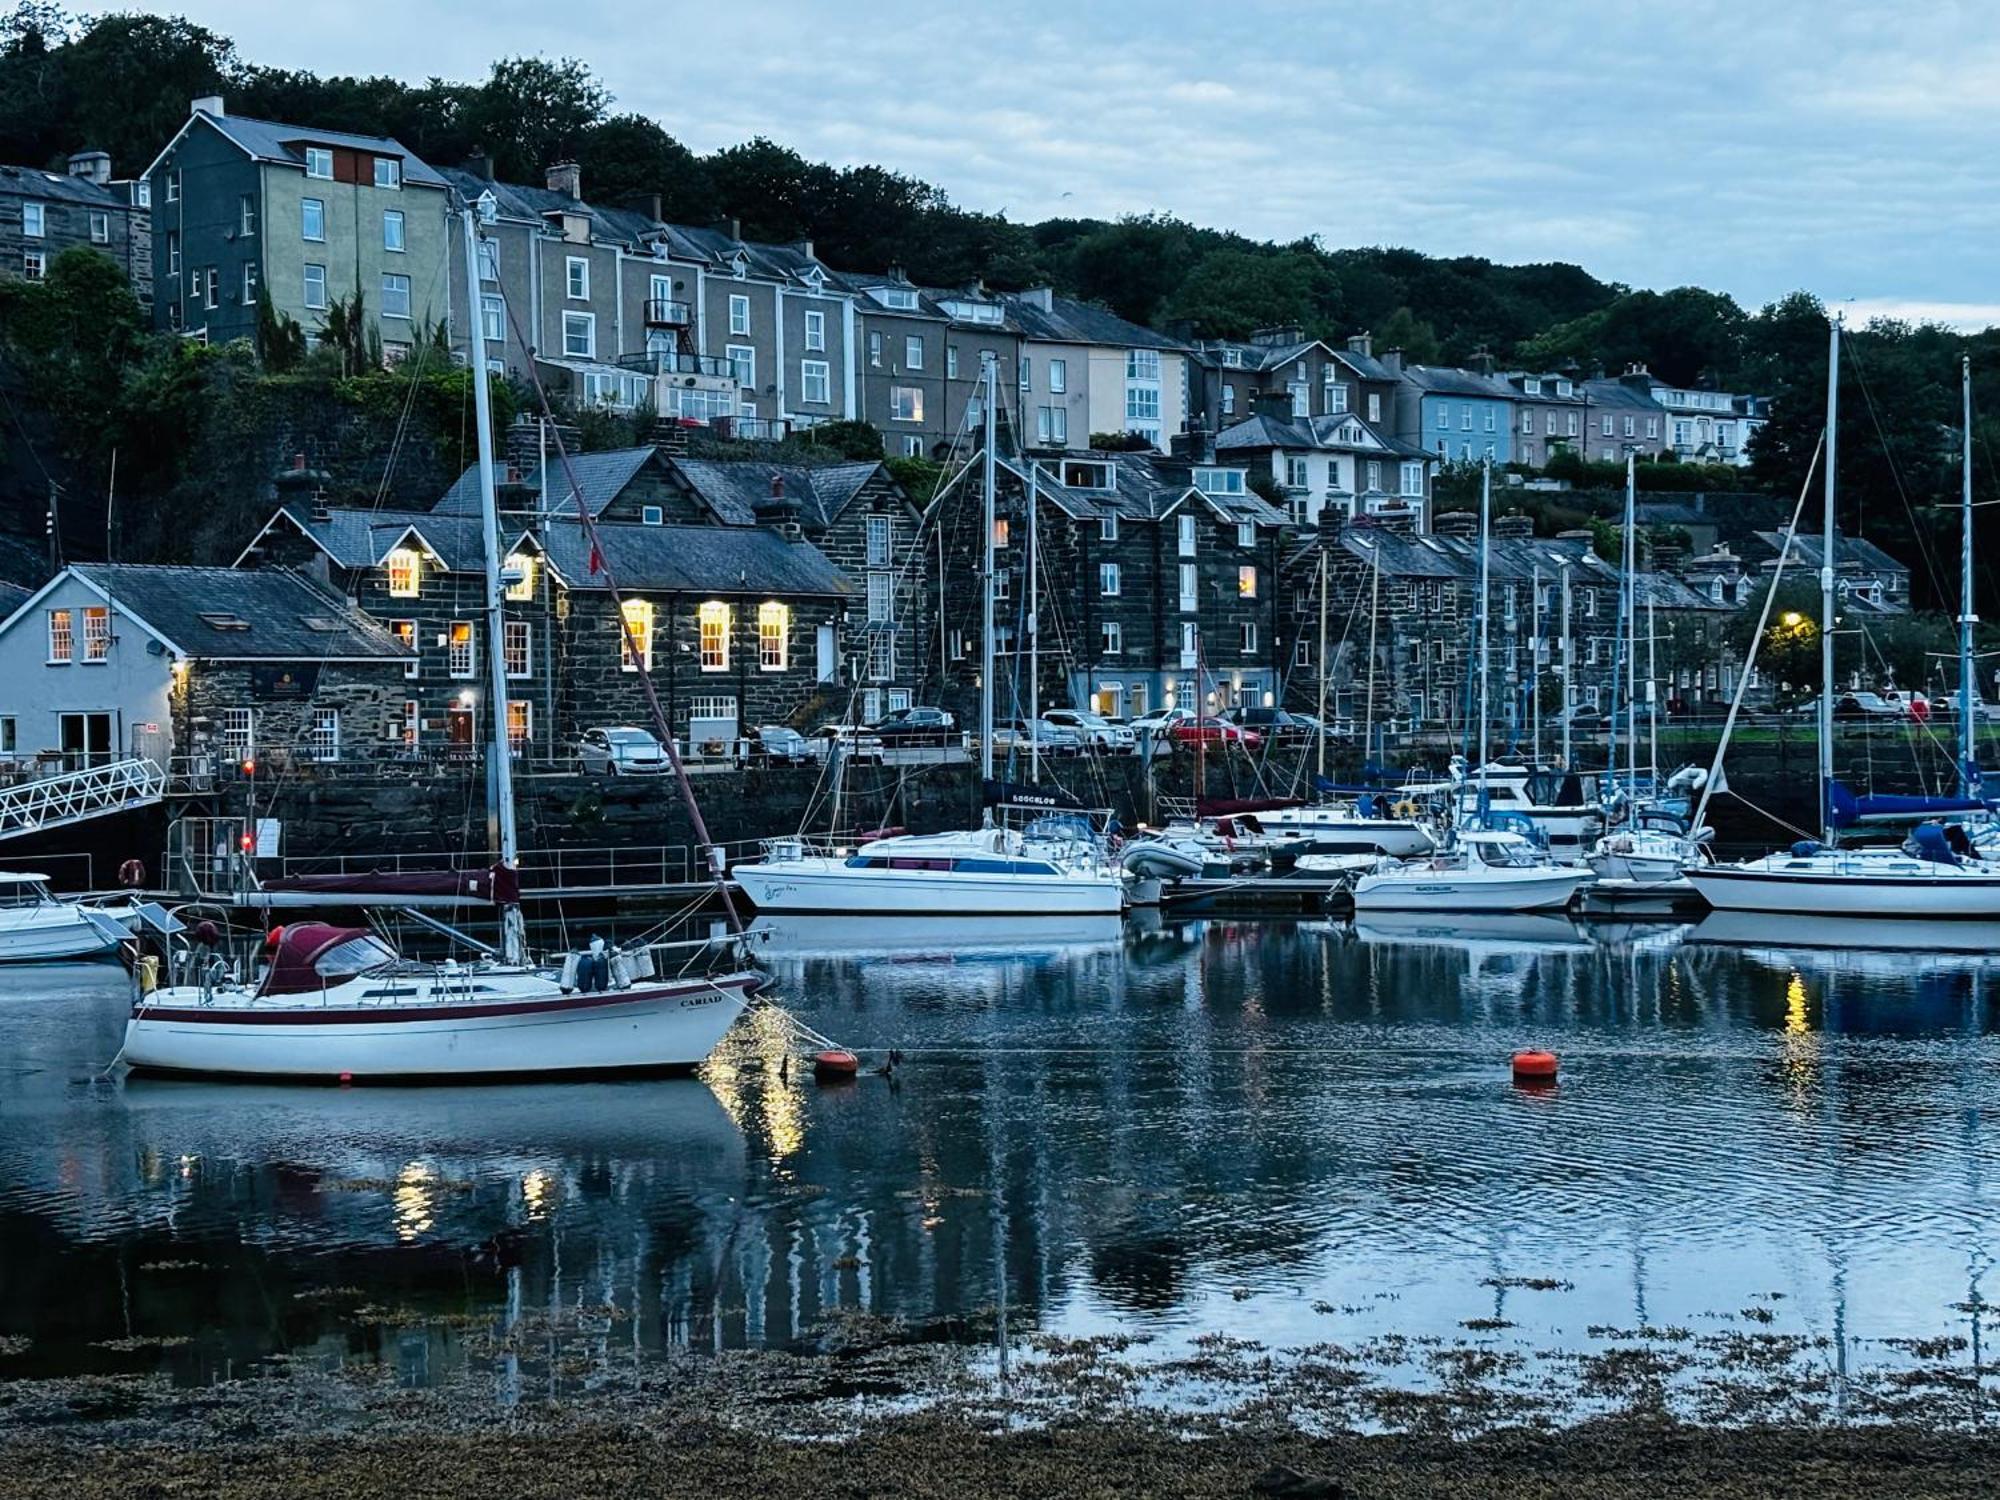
1288	1132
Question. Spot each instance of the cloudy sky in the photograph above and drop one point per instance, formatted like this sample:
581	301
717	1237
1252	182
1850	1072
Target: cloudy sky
1851	149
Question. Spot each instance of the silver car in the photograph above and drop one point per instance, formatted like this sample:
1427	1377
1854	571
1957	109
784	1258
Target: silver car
624	750
1098	733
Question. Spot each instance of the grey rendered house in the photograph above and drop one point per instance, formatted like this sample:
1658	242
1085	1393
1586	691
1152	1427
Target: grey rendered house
1621	417
1332	468
309	216
1088	370
921	352
108	660
43	214
1549	410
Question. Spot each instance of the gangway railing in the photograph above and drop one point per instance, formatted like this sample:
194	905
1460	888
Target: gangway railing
76	796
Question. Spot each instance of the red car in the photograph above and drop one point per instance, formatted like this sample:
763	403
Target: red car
1192	731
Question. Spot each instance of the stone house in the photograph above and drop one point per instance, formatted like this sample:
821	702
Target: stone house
110	660
921	357
308	216
43	214
1333	463
1315	379
1102	373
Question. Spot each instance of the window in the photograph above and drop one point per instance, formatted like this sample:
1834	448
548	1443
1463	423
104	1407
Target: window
1142	364
34	264
1003	584
1246	582
238	732
774	632
319	162
388	172
878	541
1186	536
1605	425
576	278
815	382
815	331
906	403
713	619
875	351
520	724
458	648
405	573
312	219
392	229
1652	427
395	295
635	634
1107	579
323	739
1246	534
739	313
579	332
516	646
1221	481
62	638
1413	479
173	252
1528	421
913	447
951	361
1465	416
1444	414
1375	406
492	318
1190	651
489	260
1025	370
744	360
1190	590
1058	376
96	632
1249	637
1052	426
249	282
405	632
897	297
33	220
881	655
1631	427
1000	531
652	515
211	282
1114	638
1107	527
174	185
315	286
1142	403
913	352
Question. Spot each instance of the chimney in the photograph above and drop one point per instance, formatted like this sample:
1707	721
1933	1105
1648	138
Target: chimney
1274	405
566	177
1362	344
778	509
94	166
1513	527
480	164
206	104
806	249
1482	360
1458	523
1668	556
1392	361
1043	297
1278	336
1578	534
1196	445
736	229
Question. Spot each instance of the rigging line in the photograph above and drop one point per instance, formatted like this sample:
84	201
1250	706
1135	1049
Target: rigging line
1895	472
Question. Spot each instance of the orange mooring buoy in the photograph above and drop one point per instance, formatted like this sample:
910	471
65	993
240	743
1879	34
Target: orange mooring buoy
1534	1067
835	1063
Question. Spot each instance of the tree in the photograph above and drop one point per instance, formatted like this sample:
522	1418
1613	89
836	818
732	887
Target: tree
532	112
628	158
1402	329
1788	653
1132	267
281	342
1686	336
1231	293
127	80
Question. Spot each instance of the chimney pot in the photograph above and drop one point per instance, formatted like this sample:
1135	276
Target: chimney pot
736	229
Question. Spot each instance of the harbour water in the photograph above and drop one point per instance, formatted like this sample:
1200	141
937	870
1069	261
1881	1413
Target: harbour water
1285	1134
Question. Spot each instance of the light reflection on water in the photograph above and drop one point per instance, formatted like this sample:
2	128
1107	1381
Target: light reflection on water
1291	1133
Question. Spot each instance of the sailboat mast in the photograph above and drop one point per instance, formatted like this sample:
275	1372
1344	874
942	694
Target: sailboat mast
986	363
1535	661
1485	601
1652	684
1319	750
1629	617
1034	637
1826	583
1569	674
500	757
1967	732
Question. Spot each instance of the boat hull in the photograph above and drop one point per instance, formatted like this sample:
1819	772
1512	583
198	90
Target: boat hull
1812	893
1461	890
654	1028
833	888
1398	839
68	934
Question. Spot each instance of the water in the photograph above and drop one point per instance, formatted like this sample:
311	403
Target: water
1290	1133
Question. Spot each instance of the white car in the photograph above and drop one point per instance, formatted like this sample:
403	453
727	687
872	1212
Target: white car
623	750
1098	733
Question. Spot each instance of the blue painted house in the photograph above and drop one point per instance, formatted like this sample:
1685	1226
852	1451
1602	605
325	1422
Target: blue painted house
1460	415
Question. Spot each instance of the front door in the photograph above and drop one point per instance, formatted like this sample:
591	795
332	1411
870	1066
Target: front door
828	655
458	728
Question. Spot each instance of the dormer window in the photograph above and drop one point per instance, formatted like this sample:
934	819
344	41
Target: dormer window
739	265
814	278
1532	385
1564	388
902	299
319	162
1081	474
388	173
1232	359
1222	481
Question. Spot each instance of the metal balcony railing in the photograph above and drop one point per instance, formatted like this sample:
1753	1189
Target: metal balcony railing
665	312
677	362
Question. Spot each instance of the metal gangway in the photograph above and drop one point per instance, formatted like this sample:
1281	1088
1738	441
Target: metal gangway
76	796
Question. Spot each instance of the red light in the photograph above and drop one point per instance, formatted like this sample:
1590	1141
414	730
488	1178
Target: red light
247	843
249	766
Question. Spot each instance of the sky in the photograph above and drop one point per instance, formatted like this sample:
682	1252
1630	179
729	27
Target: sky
1852	150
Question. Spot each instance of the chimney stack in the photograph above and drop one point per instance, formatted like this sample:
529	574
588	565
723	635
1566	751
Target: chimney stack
1513	527
736	229
480	164
1362	343
207	104
93	166
1458	523
1482	360
566	177
1392	361
659	214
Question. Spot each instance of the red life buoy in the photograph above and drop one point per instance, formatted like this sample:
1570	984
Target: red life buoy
1535	1066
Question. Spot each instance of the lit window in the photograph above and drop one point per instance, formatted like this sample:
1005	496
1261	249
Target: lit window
713	617
62	638
458	648
523	586
906	403
999	531
635	634
520	724
1246	583
413	723
405	573
405	631
96	632
774	630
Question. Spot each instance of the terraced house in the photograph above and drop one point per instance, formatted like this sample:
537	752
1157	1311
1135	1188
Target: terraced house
1549	415
1331	468
307	216
43	214
1086	370
922	350
1318	380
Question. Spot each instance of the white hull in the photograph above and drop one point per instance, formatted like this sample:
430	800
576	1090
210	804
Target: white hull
1851	889
652	1027
51	931
1638	869
1467	890
1338	834
832	887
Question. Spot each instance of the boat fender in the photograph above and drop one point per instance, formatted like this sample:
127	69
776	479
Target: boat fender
835	1065
1534	1066
620	971
1406	809
149	974
132	873
640	963
568	978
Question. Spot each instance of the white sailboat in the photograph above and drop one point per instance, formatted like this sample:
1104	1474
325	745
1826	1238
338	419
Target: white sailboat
340	1003
1927	878
37	926
1036	862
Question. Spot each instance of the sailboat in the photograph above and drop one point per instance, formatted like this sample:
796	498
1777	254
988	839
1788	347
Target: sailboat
338	1002
1931	876
1032	861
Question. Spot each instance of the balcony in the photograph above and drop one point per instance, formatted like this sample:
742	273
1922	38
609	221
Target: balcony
665	312
675	362
752	429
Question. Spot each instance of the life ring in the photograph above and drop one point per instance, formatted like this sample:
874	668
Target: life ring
1405	809
132	873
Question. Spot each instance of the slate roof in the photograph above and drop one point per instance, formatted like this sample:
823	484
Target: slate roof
715	248
1517	382
268	140
519	201
32	182
694	559
1848	552
1367	366
1439	380
1262	431
357	538
601	477
274	603
1068	321
733	489
1617	395
1151	487
1253	356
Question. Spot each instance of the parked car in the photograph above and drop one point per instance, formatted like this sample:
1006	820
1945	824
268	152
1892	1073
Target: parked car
781	746
916	725
1273	723
1099	734
855	742
1863	705
1912	704
623	750
1190	730
1050	739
